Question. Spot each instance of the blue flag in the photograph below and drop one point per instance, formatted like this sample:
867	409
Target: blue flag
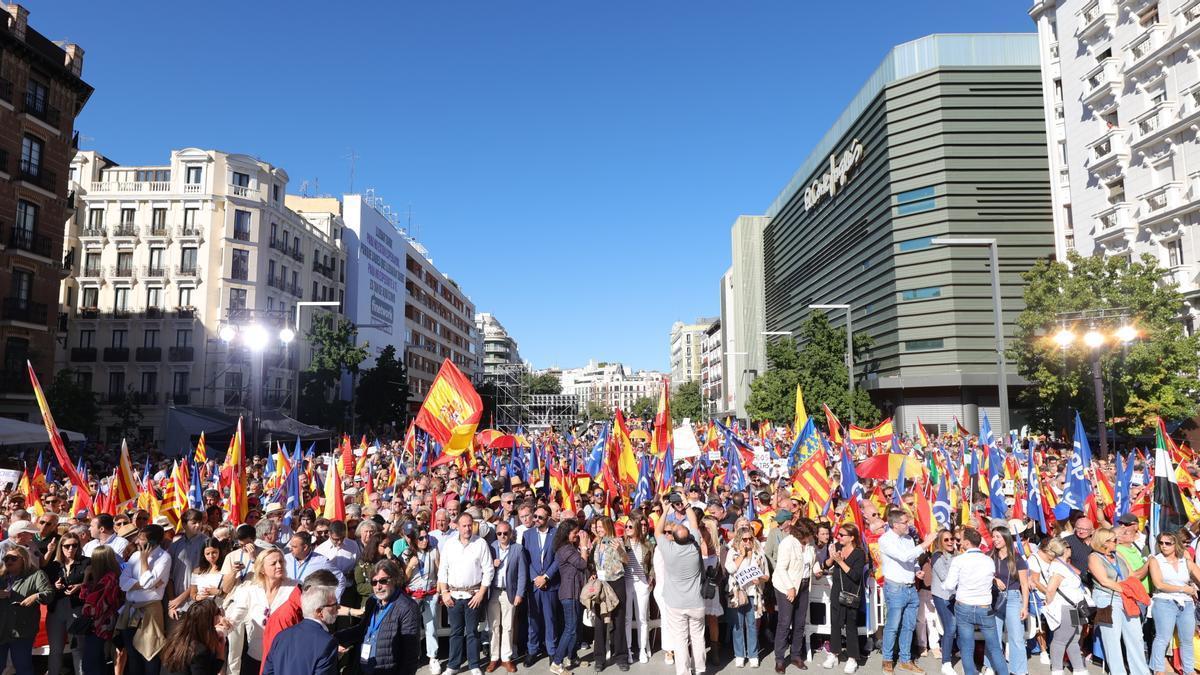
941	505
1078	488
850	484
1123	477
1033	501
644	491
751	509
900	482
595	461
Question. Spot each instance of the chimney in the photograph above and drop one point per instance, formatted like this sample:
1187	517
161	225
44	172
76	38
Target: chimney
74	59
20	20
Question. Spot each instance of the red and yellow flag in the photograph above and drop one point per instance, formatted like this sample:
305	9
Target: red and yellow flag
835	427
624	460
56	441
922	434
201	451
812	482
124	488
335	506
451	410
661	440
239	505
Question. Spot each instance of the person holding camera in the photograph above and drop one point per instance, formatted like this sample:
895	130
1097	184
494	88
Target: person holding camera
683	567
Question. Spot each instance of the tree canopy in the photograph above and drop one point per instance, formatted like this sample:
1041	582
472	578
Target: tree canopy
1154	375
685	403
383	392
546	383
75	407
334	353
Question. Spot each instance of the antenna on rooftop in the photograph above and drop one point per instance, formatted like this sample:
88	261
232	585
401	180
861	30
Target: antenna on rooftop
304	188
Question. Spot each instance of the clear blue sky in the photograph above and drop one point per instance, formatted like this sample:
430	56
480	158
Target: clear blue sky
575	166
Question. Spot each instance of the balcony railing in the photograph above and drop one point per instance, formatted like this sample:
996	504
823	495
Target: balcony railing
280	245
26	240
181	353
324	270
122	313
1167	196
153	313
145	397
93	231
297	254
295	290
23	309
188	271
125	230
6	89
115	397
185	312
83	354
148	354
181	398
187	231
241	235
38	175
89	313
159	230
41	110
154	272
121	271
116	354
276	282
241	191
130	186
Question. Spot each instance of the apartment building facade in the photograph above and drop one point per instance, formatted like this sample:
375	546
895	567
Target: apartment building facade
1121	86
712	369
685	349
41	92
170	260
611	385
499	348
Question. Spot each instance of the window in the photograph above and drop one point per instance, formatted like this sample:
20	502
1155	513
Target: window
91	298
274	232
189	218
194	175
156	260
275	192
921	345
31	156
87	338
158	218
180	384
270	271
83	378
183	337
921	293
120	338
150	337
125	263
22	286
241	179
314	294
915	201
154	298
95	218
241	264
149	382
1116	191
27	213
185	296
153	175
121	299
237	298
116	384
127	216
296	280
916	244
1175	252
296	245
187	260
36	94
241	225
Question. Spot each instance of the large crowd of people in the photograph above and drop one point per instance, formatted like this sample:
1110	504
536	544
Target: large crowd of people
496	561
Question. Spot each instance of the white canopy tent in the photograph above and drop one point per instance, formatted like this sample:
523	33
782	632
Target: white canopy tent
16	432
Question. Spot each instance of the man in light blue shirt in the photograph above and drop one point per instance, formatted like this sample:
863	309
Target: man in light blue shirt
301	561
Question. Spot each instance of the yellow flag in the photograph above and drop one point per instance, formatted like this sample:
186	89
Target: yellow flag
801	413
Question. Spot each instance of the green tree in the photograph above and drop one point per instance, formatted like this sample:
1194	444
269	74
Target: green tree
594	412
383	392
685	402
820	369
546	383
1154	375
645	407
74	405
128	412
333	353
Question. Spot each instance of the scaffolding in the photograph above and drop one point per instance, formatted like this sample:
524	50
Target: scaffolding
560	411
509	380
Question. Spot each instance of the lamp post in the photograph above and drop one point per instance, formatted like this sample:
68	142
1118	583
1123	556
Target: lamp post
997	317
256	338
1095	339
849	350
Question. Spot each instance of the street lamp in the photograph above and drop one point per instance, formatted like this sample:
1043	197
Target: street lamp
1094	339
849	350
256	338
998	315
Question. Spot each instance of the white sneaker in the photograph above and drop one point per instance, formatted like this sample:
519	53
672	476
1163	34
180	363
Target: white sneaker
851	666
1044	658
753	663
987	670
476	671
557	669
948	669
829	662
739	662
670	658
644	657
435	666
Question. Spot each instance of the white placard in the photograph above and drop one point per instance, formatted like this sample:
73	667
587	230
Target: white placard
9	476
745	577
714	455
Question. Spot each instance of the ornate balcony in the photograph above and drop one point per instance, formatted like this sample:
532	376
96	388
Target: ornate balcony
116	354
83	354
1103	81
1096	18
1109	151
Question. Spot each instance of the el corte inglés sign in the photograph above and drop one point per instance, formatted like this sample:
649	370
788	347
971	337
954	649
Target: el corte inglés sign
833	180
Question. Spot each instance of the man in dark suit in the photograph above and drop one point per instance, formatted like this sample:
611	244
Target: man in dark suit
538	543
308	648
507	593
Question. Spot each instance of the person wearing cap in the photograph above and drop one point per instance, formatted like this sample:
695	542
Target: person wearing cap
1129	547
22	532
101	531
771	545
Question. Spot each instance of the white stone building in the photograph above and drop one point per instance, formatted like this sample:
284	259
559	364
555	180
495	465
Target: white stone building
685	349
610	385
1121	82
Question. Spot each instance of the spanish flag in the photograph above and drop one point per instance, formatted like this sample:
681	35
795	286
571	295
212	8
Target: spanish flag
124	489
335	505
922	434
56	441
625	461
451	410
835	427
880	434
239	506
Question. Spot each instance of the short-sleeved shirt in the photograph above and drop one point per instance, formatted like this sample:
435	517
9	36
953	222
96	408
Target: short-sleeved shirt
681	585
1011	583
1134	558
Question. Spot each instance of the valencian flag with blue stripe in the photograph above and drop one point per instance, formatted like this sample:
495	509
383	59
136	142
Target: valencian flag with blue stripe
807	443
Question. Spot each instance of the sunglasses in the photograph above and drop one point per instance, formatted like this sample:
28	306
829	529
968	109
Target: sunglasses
382	581
11	559
1166	543
504	534
65	546
747	539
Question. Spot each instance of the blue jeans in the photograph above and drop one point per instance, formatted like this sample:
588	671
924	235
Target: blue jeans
429	605
1123	630
945	612
572	615
1169	617
745	631
21	652
1010	623
901	602
464	632
966	619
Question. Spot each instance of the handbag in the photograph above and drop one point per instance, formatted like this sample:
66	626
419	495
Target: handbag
845	597
708	578
81	624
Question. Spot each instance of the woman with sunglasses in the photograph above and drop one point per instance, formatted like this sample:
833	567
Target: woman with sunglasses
101	596
420	568
65	574
1172	571
639	549
23	587
1108	570
846	566
936	569
745	598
